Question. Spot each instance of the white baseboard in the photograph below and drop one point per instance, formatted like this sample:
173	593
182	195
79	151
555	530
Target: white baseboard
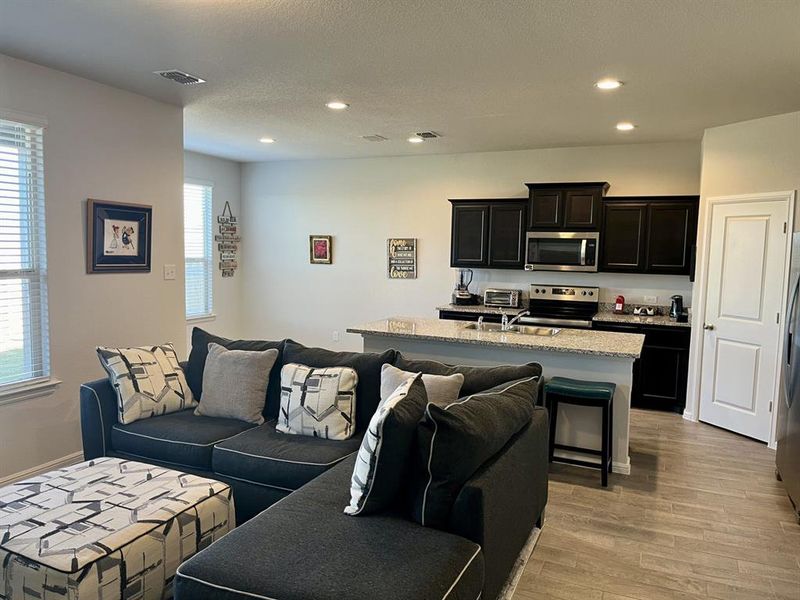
58	463
507	593
688	415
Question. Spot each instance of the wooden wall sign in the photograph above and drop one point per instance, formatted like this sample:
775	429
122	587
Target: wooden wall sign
228	241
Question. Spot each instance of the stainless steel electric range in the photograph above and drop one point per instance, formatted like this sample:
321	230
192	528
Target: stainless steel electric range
562	305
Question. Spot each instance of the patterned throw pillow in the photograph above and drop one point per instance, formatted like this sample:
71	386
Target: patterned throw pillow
149	381
318	402
386	448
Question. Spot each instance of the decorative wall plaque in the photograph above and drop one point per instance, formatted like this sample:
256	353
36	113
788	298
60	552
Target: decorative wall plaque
402	258
228	241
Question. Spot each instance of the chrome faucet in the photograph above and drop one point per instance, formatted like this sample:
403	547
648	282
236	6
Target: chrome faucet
480	322
506	323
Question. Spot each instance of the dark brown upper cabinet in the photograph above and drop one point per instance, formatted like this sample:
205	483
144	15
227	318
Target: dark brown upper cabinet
488	233
566	206
671	233
622	245
469	234
649	234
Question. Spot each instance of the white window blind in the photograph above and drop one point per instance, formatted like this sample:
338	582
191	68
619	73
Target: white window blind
197	241
24	344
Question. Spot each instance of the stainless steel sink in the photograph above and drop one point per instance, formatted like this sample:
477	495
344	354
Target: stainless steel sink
485	326
523	329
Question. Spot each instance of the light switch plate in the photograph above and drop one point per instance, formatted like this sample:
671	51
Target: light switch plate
335	336
169	272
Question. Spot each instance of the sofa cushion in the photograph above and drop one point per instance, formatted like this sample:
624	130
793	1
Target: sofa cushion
367	365
454	441
318	402
197	361
266	456
383	458
306	547
235	383
180	438
476	379
149	381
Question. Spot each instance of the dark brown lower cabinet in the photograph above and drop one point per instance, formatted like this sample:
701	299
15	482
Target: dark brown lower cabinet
661	373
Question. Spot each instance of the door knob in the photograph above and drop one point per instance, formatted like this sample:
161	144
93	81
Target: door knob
708	326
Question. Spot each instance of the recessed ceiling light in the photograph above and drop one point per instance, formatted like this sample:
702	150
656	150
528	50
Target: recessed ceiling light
336	105
608	84
625	126
267	140
415	139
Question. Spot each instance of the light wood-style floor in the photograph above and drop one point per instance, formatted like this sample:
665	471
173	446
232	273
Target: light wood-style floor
700	516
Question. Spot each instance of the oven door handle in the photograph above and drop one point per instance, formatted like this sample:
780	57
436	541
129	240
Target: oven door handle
583	253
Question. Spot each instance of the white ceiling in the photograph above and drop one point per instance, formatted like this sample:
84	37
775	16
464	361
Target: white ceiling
488	75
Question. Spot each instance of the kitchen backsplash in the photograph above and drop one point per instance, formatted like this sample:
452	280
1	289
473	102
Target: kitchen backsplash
637	289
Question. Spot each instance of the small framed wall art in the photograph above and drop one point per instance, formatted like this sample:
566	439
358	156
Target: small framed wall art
401	258
320	248
118	236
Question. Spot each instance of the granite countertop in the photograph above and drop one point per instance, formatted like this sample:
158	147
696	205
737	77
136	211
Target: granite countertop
607	316
572	341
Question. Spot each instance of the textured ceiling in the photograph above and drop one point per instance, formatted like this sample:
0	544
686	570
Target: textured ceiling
488	75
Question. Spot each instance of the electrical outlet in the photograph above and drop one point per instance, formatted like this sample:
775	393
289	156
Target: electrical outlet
335	336
170	272
651	299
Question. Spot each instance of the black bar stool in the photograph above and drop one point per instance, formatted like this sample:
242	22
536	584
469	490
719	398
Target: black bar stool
598	394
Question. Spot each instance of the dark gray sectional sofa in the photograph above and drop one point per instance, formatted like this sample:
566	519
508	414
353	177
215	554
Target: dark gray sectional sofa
294	541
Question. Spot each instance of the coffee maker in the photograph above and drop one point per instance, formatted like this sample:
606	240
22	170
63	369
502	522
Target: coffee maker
676	308
462	295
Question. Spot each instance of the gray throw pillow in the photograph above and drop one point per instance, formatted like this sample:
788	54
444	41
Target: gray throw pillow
440	389
235	383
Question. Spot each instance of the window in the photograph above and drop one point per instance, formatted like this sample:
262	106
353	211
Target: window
197	249
24	345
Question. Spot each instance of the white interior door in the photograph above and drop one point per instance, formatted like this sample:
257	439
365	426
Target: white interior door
744	298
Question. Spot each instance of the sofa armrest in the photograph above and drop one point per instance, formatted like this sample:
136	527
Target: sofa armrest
98	415
501	503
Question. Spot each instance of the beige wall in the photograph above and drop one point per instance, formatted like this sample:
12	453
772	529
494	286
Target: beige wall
762	155
758	156
225	176
362	202
108	144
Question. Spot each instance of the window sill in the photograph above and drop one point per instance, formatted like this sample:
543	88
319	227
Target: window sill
30	389
201	318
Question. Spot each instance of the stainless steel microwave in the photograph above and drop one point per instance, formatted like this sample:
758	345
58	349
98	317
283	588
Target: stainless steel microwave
562	251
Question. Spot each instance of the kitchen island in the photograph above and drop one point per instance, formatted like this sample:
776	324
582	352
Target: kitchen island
576	353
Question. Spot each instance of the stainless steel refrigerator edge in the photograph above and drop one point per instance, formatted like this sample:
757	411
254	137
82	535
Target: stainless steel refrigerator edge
788	428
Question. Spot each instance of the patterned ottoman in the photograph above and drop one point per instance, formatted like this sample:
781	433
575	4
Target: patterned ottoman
106	529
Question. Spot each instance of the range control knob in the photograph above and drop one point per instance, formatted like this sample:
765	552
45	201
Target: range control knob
583	293
591	293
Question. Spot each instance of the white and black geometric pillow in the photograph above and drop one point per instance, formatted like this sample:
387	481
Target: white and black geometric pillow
385	452
149	381
318	402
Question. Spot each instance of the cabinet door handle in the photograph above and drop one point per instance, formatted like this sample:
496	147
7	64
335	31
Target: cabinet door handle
708	326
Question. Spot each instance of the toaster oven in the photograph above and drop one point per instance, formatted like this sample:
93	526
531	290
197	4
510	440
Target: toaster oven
501	298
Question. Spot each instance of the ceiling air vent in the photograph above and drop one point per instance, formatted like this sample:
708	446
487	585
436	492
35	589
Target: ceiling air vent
180	77
428	135
375	137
